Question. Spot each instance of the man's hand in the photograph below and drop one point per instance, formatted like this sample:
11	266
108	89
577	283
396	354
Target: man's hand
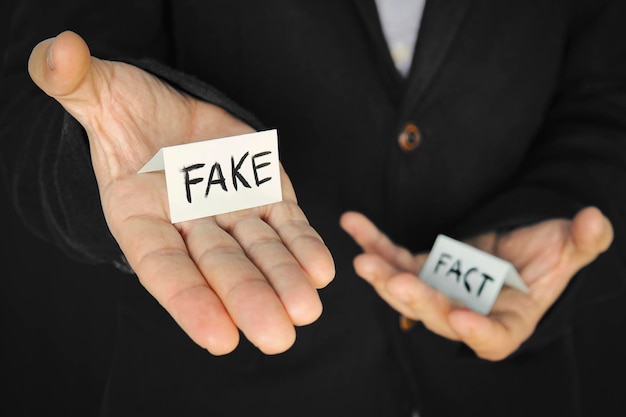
547	255
256	270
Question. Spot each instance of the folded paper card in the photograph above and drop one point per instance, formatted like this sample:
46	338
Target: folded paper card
217	176
468	275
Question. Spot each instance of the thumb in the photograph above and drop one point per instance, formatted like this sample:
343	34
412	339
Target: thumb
592	233
61	67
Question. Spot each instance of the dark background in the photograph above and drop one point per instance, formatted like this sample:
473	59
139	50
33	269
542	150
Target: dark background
56	319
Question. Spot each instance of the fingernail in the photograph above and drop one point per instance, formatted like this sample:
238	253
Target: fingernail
49	59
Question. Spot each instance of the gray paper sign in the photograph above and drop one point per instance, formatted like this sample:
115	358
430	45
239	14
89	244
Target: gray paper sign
468	275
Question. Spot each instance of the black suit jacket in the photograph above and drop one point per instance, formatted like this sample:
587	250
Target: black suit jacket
520	108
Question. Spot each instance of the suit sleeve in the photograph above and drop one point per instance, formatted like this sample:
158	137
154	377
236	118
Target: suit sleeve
44	151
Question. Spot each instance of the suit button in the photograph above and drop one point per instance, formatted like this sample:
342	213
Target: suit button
410	138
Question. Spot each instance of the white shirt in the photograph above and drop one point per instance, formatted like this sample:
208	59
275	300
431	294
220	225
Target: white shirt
401	20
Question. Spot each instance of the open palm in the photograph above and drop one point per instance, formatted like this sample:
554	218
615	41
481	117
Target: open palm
255	270
547	255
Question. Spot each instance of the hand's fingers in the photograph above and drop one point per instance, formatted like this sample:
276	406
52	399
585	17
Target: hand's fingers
418	301
592	234
372	240
514	316
512	320
405	293
250	299
61	67
377	272
65	70
492	337
158	255
267	251
303	242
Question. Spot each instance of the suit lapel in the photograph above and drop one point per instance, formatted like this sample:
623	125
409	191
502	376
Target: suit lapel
440	23
369	14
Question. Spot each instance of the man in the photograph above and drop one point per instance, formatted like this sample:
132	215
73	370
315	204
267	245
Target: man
508	123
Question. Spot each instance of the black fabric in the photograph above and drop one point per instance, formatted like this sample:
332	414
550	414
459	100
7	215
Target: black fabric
522	112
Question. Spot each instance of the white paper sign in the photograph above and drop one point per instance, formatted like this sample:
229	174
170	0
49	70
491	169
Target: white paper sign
220	175
468	275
